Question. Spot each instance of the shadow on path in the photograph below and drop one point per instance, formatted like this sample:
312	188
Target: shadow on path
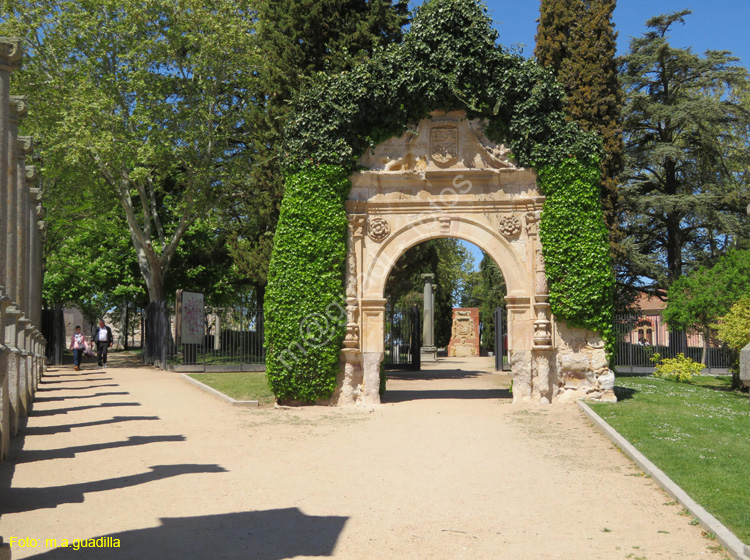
56	411
46	381
264	535
432	374
53	399
398	396
84	388
70	452
18	500
49	430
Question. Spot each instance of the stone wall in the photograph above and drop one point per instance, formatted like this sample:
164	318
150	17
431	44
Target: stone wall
582	366
22	349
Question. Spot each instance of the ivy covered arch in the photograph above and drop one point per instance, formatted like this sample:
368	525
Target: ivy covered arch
449	60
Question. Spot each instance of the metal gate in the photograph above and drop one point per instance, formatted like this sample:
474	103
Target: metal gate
402	338
502	361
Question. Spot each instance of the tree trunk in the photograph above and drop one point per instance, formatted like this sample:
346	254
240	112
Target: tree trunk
125	327
674	247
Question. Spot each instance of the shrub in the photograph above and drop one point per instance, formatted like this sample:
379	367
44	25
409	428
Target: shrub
679	369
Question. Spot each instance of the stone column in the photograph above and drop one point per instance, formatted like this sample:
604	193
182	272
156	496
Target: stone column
22	332
10	55
24	147
17	106
12	320
520	344
351	382
35	247
544	376
373	323
428	350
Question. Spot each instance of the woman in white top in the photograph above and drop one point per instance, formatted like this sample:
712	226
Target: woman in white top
78	345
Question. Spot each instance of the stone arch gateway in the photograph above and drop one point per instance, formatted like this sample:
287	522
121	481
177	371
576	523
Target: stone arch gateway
415	173
444	178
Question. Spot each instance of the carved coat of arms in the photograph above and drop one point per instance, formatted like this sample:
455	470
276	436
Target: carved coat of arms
444	142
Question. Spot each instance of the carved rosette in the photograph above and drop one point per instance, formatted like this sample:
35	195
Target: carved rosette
378	229
510	226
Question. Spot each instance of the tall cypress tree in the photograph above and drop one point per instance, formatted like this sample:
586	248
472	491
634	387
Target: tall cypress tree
577	41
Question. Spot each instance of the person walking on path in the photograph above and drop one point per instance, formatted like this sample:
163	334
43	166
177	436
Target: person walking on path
78	345
103	338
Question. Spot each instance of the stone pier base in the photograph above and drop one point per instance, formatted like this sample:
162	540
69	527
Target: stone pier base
4	404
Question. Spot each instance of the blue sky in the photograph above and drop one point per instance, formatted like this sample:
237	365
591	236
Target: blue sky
717	25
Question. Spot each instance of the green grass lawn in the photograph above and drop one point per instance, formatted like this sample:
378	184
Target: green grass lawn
242	386
696	433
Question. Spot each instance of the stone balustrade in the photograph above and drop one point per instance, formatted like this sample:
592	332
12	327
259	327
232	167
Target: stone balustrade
22	345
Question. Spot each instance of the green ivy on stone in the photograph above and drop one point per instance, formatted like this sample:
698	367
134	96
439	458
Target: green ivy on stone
575	245
305	316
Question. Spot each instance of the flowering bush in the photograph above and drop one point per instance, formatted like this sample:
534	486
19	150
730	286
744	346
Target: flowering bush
679	369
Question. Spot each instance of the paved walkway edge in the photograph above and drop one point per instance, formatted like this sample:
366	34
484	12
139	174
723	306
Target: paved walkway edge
734	546
216	393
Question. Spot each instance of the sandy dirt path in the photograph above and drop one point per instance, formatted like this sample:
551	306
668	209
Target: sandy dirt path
447	468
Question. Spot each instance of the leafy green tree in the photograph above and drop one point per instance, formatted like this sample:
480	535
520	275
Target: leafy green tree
493	296
298	39
142	102
577	41
88	259
686	142
697	300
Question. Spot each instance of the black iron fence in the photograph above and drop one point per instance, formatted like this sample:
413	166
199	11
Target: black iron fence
639	337
502	361
403	330
232	340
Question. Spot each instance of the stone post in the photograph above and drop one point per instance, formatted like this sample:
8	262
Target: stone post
24	147
373	322
351	384
428	351
12	319
35	246
543	376
10	55
17	105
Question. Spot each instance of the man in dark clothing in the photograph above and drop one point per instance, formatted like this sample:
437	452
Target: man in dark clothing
103	339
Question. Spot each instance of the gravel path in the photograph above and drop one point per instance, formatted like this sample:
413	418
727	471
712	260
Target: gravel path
446	468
